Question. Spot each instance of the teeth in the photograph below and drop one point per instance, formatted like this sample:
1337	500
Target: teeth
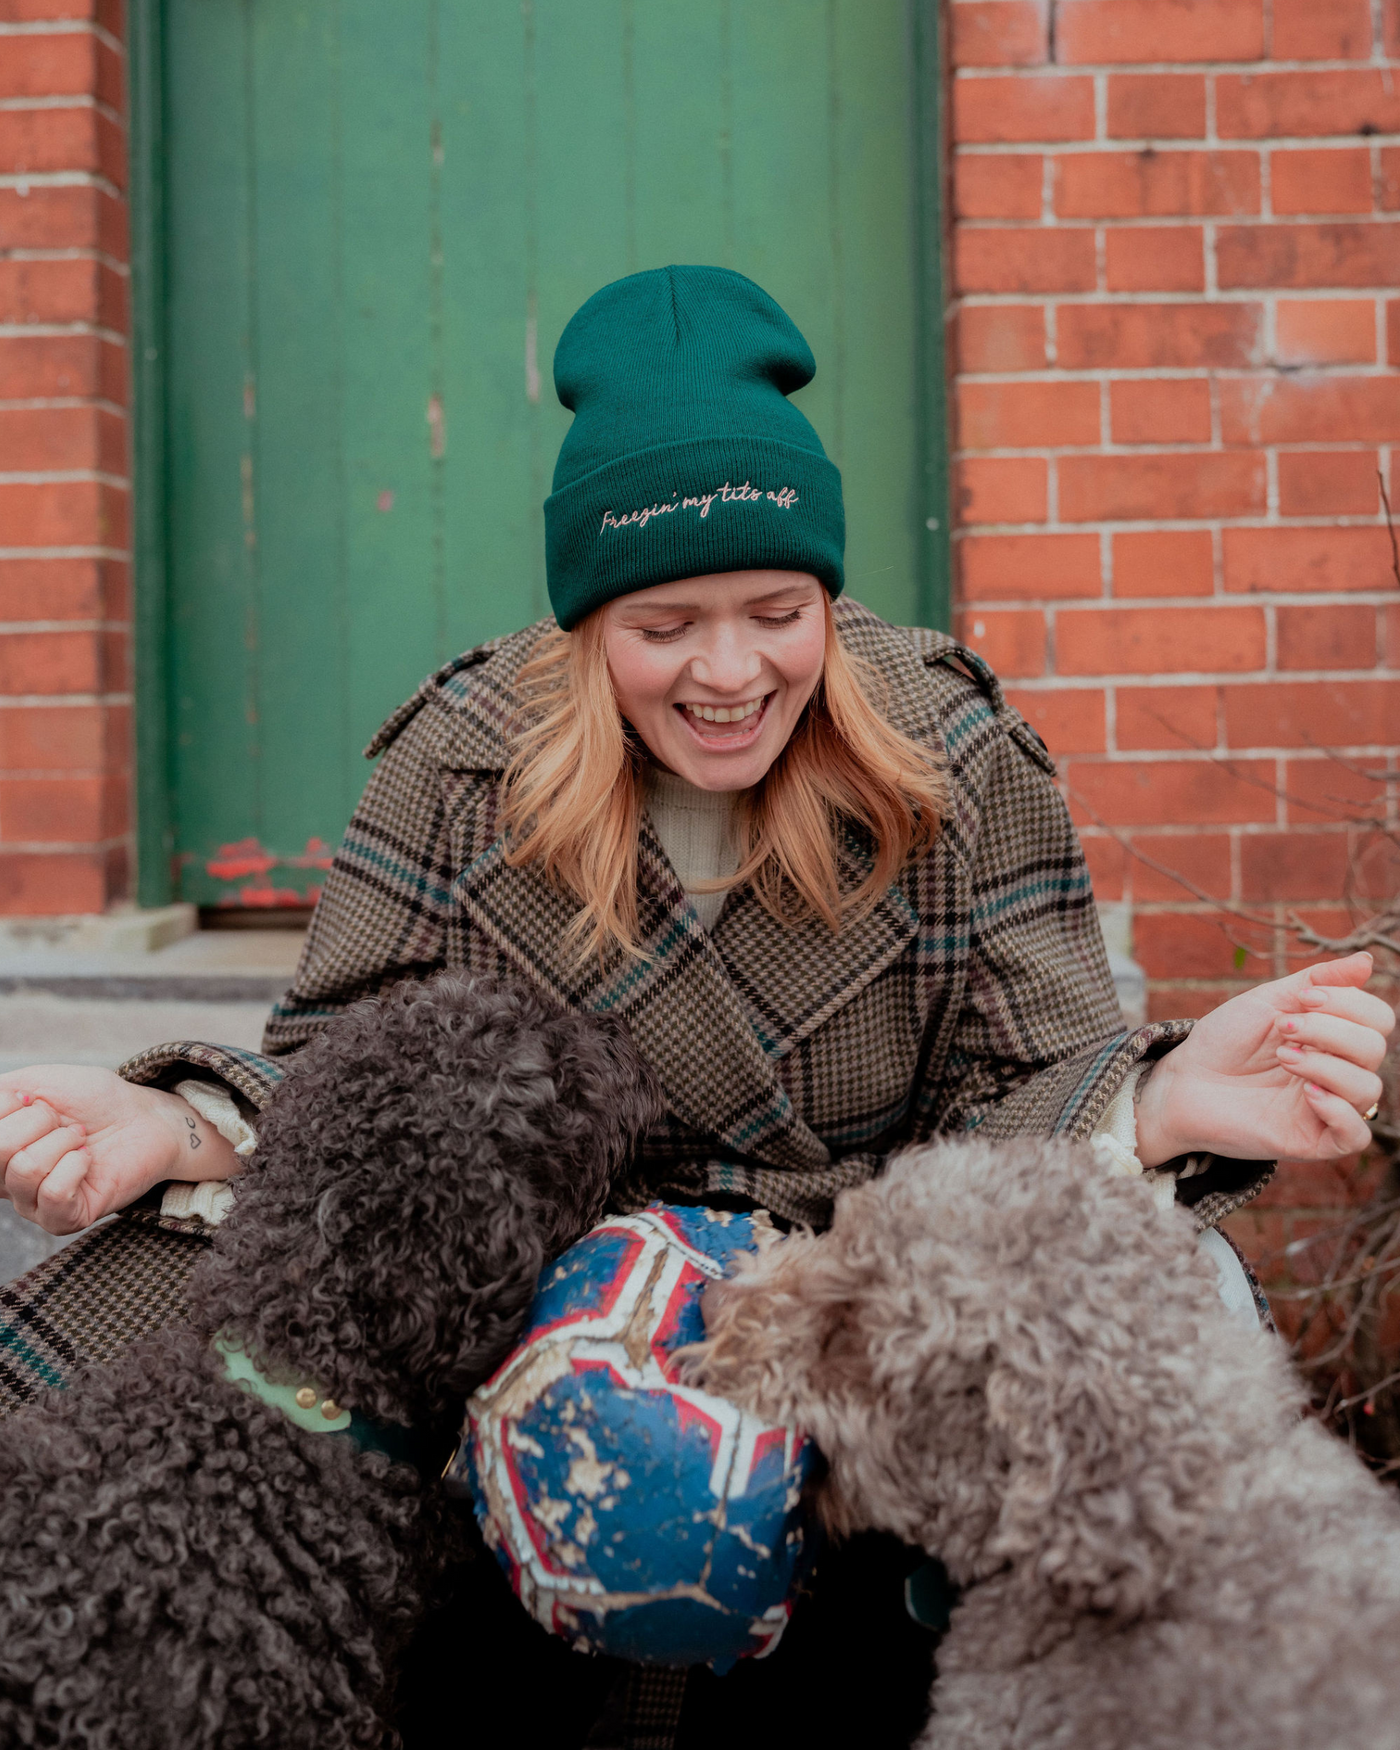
726	713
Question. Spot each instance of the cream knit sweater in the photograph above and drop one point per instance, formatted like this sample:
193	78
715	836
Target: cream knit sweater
696	829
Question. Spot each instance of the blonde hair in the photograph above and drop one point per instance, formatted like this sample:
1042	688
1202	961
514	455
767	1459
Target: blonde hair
571	793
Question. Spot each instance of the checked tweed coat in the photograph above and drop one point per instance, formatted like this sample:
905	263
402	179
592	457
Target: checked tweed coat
976	995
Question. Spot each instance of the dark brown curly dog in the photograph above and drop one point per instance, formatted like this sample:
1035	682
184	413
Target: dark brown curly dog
183	1566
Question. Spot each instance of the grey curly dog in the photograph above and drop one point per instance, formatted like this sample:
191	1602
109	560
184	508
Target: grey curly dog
183	1566
1016	1363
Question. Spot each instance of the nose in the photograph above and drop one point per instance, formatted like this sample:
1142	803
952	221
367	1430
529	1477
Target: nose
728	663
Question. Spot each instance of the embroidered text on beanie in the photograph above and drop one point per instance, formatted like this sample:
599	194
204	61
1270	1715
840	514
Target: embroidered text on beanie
685	456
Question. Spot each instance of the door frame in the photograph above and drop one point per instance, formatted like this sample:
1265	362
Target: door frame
925	24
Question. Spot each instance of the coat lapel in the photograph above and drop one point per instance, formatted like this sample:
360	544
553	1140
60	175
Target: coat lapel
793	977
681	1004
714	1016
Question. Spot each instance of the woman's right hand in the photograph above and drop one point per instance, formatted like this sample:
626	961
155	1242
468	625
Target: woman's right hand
77	1143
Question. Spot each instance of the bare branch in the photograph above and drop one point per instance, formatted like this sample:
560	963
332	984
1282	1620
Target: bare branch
1390	526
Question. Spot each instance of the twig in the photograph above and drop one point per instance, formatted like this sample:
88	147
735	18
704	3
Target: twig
1366	936
1390	526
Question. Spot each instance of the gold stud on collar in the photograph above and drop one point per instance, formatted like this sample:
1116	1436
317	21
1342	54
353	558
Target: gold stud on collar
306	1397
330	1410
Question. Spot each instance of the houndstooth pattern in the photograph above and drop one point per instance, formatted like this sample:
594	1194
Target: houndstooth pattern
975	996
89	1301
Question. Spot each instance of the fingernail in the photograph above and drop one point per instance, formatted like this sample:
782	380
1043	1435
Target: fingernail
1312	1088
1291	1053
1289	1026
24	1099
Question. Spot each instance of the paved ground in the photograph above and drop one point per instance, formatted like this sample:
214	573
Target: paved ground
62	1008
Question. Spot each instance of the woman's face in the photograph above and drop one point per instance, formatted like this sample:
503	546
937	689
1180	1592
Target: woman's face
713	672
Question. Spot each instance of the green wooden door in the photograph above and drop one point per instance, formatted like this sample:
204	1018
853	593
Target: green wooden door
378	219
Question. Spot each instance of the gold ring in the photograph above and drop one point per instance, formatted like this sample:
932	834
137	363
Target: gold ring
1371	1111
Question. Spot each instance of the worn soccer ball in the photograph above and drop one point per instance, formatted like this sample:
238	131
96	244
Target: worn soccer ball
635	1515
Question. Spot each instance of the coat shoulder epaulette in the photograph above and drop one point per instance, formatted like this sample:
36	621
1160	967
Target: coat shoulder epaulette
945	658
389	730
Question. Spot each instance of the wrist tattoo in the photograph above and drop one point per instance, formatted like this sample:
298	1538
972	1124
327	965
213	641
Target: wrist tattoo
194	1139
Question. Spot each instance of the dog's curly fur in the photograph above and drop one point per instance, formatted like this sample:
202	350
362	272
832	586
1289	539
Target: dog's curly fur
184	1568
1018	1364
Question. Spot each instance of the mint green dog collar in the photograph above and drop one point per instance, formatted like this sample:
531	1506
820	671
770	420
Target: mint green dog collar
301	1401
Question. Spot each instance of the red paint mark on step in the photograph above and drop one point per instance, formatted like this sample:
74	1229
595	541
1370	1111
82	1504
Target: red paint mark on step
244	857
317	855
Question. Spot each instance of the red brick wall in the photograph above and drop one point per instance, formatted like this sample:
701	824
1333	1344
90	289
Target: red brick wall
1176	253
64	490
1176	248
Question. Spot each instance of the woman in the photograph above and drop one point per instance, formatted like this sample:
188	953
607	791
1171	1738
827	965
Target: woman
816	861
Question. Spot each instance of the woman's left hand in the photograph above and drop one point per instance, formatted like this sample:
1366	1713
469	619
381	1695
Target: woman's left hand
1281	1072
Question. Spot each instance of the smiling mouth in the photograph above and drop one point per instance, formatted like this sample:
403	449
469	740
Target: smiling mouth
725	725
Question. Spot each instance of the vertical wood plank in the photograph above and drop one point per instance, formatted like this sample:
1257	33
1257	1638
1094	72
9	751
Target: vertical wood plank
210	464
872	208
299	417
155	838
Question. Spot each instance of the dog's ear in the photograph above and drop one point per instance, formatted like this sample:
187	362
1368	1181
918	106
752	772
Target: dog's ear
781	1339
426	1155
784	1340
1113	1438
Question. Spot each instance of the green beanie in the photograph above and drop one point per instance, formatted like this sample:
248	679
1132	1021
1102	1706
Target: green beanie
685	456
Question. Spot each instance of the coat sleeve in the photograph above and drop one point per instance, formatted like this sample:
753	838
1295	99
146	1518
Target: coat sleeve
381	917
1040	1045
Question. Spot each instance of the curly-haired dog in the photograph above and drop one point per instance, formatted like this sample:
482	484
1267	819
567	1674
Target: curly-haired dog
1019	1365
186	1567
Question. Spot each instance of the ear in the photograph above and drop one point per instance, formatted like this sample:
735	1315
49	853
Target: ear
1108	1463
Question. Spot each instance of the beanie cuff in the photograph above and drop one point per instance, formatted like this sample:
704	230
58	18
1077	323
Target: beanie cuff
690	509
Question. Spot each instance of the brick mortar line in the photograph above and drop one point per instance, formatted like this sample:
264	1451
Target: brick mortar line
1178	604
1253	828
59	847
1165	145
61	701
1258	829
1127	69
1246	295
1159	756
66	477
1308	374
66	27
26	181
1167	525
1164	680
16	628
62	331
62	100
70	252
58	551
64	404
1382	219
1107	447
